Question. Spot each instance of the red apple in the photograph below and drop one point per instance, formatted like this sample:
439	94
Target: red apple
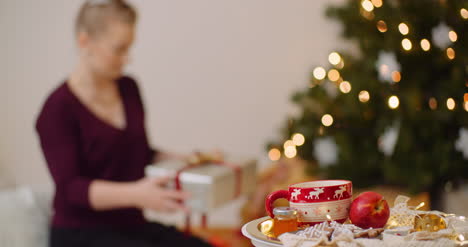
369	209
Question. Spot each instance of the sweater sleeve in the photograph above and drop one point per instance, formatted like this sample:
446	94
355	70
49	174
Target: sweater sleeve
58	135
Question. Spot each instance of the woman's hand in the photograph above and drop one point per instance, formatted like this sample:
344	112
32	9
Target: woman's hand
150	193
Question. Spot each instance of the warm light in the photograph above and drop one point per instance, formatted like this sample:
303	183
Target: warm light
319	73
465	97
298	139
367	5
465	105
328	217
290	152
425	44
403	28
364	96
382	26
274	154
450	104
333	75
406	43
453	36
464	13
334	58
345	87
450	53
432	103
288	143
420	206
377	3
396	76
393	102
327	120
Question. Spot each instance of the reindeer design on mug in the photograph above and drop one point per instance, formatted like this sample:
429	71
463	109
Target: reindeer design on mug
339	192
295	194
315	194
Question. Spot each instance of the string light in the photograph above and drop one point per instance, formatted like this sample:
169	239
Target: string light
367	5
319	73
393	102
450	53
364	96
396	76
464	13
465	97
333	75
288	143
382	26
274	154
327	120
420	205
298	139
450	104
432	103
377	3
406	44
453	36
290	151
403	28
465	105
345	87
334	58
425	44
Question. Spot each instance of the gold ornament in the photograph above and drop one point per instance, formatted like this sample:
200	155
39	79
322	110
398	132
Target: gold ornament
429	222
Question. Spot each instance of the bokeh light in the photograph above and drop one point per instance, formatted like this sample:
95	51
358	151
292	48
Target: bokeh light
393	102
274	154
319	73
327	120
425	44
298	139
364	96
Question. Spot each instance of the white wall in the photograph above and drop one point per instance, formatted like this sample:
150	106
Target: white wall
215	74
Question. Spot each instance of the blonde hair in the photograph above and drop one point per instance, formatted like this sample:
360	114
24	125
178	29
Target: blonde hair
94	15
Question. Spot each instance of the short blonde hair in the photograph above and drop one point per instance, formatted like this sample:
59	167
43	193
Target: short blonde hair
94	15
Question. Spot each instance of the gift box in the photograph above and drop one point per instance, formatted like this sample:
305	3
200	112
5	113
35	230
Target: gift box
211	185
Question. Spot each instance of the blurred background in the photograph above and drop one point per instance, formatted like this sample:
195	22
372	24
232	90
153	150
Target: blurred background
371	91
213	74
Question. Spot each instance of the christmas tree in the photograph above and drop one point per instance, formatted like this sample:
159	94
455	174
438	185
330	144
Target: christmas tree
395	110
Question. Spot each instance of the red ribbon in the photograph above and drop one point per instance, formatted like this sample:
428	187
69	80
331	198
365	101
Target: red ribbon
238	173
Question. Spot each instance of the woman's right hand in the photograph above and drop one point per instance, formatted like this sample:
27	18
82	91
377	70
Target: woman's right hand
150	193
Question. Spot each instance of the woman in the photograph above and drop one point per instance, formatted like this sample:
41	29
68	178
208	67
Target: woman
92	134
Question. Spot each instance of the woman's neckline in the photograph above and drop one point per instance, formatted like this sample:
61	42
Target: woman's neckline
94	115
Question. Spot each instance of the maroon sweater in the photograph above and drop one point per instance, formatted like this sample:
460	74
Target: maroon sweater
80	147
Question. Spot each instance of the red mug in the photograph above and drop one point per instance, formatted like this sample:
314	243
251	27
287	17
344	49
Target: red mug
316	201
